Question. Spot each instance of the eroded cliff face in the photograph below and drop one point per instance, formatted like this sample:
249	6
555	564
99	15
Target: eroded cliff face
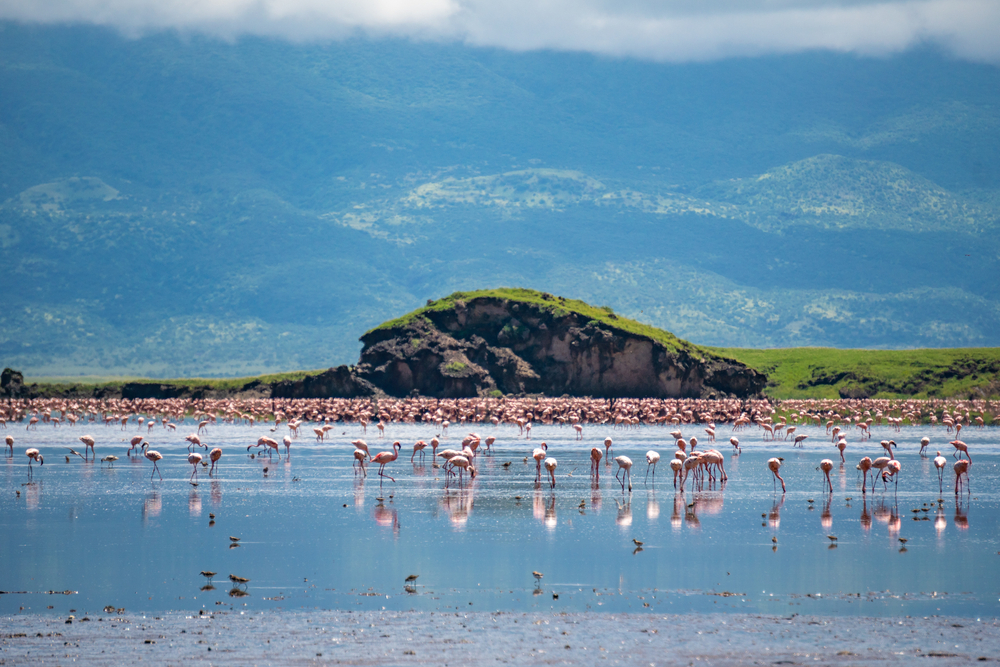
489	344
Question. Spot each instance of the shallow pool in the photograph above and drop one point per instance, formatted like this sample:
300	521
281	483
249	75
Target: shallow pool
313	534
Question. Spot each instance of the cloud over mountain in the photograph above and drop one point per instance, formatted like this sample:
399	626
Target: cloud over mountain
672	30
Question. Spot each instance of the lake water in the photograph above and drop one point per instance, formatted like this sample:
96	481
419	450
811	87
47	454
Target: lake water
312	534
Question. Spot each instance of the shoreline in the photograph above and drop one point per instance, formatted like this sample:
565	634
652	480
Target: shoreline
487	638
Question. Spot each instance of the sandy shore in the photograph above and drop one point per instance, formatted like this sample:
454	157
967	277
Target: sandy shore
481	638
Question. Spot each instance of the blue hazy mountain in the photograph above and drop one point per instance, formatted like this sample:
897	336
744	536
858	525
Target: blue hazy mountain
178	205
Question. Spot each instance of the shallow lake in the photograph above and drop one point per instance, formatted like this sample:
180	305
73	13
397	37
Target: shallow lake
313	534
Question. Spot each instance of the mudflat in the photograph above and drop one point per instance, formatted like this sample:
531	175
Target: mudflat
489	638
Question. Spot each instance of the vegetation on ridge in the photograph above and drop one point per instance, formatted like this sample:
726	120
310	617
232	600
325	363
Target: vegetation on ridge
558	306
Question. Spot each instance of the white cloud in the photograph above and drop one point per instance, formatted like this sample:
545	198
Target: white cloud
668	30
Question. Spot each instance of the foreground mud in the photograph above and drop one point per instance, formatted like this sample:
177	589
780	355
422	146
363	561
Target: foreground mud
482	638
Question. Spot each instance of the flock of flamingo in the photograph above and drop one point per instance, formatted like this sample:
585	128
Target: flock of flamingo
774	421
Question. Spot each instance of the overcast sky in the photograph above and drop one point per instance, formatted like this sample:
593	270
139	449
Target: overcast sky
668	30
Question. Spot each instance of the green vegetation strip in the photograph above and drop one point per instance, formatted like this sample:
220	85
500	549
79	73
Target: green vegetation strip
556	305
816	372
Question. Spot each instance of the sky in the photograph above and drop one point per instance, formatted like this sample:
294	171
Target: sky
664	30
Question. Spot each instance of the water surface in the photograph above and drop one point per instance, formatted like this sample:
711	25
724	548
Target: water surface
313	534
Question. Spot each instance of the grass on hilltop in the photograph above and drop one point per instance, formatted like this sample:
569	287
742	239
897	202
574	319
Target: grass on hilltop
816	372
218	384
558	306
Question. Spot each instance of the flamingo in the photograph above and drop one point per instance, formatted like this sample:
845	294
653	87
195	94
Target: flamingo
693	442
287	442
826	465
891	471
154	456
362	445
595	462
550	466
214	457
382	458
799	440
88	443
418	446
961	468
359	459
774	465
194	459
960	447
135	442
923	444
539	455
10	444
939	463
33	455
735	442
462	463
676	465
203	425
880	464
489	443
652	458
887	445
435	443
607	448
579	431
624	464
842	445
864	465
193	441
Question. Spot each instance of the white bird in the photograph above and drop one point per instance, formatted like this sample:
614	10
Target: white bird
624	464
652	458
550	466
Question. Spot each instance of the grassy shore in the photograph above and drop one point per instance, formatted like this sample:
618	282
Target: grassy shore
817	372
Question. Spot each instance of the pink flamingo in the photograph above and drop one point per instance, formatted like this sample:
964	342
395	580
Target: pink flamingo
892	470
774	465
595	462
33	455
362	445
135	442
550	466
539	455
735	442
435	443
842	445
382	458
880	464
939	463
418	446
961	468
359	459
826	465
607	448
923	444
154	456
676	465
194	459
462	463
864	465
489	443
214	457
88	443
624	464
287	442
961	447
10	444
579	431
652	458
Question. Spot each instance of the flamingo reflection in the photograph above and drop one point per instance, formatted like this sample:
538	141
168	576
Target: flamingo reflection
387	517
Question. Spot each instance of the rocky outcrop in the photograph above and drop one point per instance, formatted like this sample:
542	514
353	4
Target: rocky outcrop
11	383
490	345
485	346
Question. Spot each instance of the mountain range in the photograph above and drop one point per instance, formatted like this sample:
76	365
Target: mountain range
174	205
